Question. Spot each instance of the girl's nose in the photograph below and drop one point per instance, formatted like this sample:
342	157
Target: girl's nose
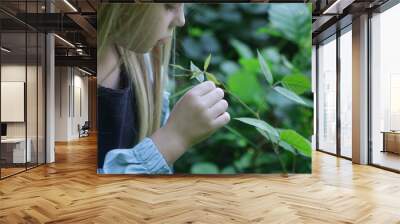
180	17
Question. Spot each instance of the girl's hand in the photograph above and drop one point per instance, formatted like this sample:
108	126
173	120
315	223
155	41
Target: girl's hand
198	114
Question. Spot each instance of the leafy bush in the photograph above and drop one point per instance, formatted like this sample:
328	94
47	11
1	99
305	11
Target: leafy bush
269	90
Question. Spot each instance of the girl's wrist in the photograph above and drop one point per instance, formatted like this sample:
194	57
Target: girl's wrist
170	143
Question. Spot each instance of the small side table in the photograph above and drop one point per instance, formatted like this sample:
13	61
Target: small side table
391	141
17	150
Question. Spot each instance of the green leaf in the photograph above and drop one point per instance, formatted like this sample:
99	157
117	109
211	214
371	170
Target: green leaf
297	83
292	20
287	63
228	170
193	67
207	62
269	137
250	65
178	67
309	103
265	159
212	78
204	168
245	86
197	73
269	30
195	31
229	67
242	49
272	132
244	161
287	147
297	141
265	69
290	95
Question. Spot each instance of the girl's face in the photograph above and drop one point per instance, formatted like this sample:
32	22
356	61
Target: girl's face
169	16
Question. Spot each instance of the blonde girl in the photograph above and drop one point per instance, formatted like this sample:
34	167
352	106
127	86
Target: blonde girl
137	132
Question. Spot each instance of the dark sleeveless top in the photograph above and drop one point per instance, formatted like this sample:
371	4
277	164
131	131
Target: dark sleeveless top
117	116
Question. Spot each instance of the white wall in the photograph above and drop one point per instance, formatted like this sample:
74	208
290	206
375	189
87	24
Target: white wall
12	73
71	87
33	126
61	103
15	72
80	100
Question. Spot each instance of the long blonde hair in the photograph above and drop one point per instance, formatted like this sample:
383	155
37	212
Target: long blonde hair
114	23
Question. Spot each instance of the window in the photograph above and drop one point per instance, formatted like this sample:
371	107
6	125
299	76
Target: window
22	65
327	95
385	89
346	92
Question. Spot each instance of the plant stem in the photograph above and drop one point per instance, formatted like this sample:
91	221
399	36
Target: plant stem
276	150
180	92
184	69
182	75
294	163
241	102
242	136
254	158
276	84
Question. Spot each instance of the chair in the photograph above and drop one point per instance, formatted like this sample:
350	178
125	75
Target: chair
84	130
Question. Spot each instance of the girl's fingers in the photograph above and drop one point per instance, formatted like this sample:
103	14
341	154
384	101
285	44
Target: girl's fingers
213	97
218	109
203	88
222	120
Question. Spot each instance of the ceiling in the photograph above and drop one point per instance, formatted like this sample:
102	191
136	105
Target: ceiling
75	22
328	15
72	20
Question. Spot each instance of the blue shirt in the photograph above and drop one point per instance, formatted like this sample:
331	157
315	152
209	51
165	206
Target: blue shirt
119	151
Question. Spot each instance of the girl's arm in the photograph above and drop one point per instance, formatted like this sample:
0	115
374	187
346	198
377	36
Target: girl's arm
198	114
143	158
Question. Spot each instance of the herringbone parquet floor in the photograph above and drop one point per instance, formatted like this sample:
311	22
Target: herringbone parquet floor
70	191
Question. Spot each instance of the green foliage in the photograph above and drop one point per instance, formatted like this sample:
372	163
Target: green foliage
273	135
196	72
212	78
228	170
204	168
243	50
297	141
289	94
245	161
265	69
293	22
245	86
261	57
299	84
207	62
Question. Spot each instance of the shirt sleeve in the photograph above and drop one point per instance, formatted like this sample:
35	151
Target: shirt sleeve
165	108
143	158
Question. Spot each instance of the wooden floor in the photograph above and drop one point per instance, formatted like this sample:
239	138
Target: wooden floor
387	159
5	172
10	171
70	191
